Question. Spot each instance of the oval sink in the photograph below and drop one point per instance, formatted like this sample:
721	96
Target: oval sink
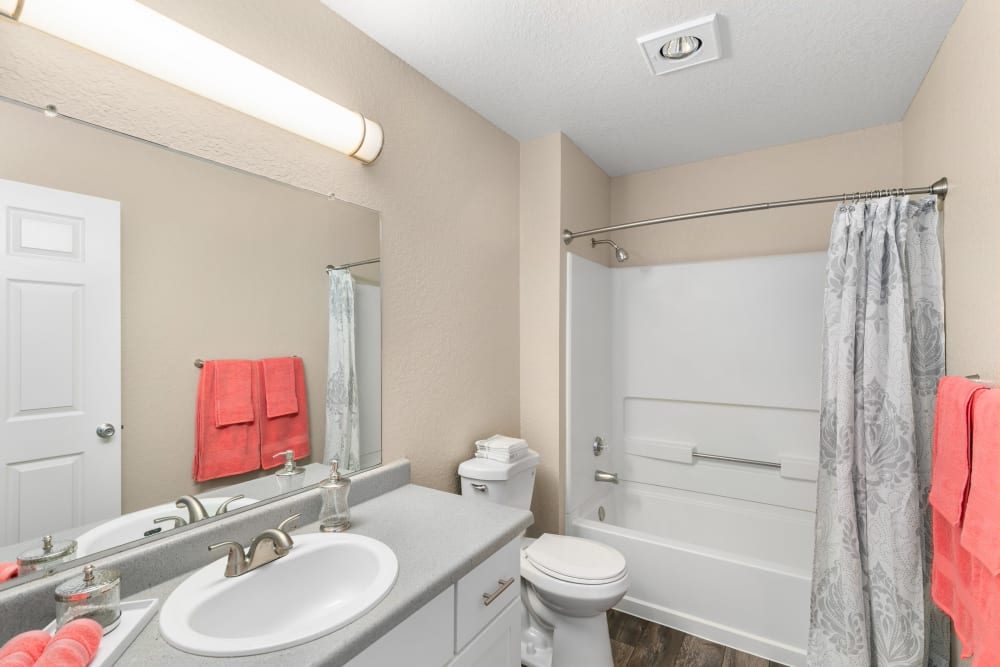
136	525
325	582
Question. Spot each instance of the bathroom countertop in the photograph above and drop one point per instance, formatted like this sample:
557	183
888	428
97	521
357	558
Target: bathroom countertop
437	537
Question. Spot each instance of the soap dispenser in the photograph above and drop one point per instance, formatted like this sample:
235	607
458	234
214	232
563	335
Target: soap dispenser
334	516
291	476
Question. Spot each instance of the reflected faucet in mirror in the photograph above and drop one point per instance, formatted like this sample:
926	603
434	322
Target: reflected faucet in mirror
196	511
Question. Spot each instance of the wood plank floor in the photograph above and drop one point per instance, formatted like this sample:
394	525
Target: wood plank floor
639	643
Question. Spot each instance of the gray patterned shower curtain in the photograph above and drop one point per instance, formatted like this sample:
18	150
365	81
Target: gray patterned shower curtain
883	353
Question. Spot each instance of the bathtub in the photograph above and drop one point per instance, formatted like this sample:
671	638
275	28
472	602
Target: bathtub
730	571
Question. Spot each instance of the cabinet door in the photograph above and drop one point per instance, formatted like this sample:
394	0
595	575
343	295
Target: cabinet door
483	593
422	640
498	645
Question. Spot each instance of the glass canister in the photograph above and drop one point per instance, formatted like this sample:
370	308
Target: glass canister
93	595
51	553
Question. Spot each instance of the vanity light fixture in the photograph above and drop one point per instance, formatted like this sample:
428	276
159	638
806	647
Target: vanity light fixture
137	36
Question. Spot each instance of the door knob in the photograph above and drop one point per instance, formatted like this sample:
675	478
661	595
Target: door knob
106	430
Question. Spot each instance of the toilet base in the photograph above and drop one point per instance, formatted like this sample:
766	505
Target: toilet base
549	639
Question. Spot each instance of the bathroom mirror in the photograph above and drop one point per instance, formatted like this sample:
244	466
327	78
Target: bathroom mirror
215	263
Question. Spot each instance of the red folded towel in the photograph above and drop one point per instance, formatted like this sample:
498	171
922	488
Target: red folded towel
227	450
981	524
290	431
24	649
7	571
950	462
74	645
278	378
233	393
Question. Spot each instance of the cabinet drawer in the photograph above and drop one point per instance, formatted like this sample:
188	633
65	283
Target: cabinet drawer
478	595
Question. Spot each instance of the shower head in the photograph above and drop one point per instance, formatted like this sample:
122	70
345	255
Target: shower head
620	254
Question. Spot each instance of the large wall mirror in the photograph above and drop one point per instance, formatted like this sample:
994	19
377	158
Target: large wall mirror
209	263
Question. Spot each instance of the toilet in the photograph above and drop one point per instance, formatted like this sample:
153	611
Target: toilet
567	583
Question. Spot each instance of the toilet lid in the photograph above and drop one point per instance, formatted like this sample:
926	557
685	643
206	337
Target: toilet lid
575	559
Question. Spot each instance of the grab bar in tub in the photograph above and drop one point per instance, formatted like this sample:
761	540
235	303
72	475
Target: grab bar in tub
734	459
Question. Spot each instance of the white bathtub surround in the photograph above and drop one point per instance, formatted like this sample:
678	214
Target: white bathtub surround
669	364
343	439
884	300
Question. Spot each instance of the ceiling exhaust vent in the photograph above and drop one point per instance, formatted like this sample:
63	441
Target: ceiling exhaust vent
684	45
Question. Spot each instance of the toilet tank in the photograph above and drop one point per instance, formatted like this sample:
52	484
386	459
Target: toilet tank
504	483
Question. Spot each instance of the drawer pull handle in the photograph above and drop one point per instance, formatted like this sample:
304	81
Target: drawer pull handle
488	598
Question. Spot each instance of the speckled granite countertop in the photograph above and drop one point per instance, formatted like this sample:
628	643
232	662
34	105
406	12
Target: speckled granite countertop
437	537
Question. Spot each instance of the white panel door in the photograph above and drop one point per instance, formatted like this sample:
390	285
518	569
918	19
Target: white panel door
60	360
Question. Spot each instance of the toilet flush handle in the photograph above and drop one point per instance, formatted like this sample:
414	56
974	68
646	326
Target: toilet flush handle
481	488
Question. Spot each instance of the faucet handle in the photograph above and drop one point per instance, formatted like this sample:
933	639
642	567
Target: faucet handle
178	521
232	544
283	525
224	507
236	563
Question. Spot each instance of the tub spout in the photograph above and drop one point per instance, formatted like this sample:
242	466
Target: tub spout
602	476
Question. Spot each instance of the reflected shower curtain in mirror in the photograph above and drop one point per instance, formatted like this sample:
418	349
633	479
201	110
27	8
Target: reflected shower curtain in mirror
343	440
883	353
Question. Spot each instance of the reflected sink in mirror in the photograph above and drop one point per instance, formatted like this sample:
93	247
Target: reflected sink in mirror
325	582
136	525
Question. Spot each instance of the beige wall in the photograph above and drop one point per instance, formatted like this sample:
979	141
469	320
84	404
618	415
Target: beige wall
953	129
215	264
560	188
446	186
862	160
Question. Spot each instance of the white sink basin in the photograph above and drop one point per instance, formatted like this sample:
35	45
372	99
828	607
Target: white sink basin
135	525
325	582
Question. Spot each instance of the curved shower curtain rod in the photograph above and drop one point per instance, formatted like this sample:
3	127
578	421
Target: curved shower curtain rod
939	188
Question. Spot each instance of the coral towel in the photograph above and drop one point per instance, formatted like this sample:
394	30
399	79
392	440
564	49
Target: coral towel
278	378
24	649
233	392
290	430
221	451
950	569
7	571
950	464
74	645
981	525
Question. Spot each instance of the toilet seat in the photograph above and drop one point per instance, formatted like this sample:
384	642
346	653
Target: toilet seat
575	560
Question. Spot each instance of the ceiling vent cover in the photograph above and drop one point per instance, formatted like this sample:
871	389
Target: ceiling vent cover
684	45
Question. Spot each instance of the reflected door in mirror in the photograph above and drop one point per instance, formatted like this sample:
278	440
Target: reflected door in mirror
60	337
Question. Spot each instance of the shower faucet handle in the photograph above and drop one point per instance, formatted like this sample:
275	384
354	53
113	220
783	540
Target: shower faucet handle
599	446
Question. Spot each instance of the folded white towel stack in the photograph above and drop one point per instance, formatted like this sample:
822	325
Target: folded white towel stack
501	448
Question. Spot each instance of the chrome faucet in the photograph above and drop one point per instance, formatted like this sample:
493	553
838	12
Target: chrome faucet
270	545
197	511
602	476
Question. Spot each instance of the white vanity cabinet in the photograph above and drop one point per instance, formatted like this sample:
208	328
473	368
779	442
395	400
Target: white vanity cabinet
476	622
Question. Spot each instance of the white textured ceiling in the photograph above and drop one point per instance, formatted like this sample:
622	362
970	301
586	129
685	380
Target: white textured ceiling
791	71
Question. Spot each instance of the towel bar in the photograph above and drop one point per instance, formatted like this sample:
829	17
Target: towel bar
200	363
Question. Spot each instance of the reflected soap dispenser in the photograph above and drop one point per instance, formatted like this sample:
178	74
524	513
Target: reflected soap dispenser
291	476
335	515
